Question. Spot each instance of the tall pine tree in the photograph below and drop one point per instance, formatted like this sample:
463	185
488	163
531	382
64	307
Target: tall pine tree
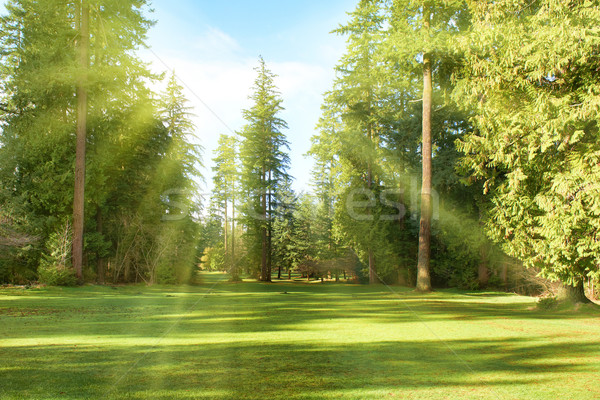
264	165
226	182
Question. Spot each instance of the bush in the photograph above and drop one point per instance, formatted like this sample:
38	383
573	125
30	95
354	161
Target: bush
53	276
19	248
55	265
547	303
214	258
165	275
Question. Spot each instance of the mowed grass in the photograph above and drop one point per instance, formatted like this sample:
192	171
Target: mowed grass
291	341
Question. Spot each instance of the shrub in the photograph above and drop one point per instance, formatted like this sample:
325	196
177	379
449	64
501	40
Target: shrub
55	265
214	259
56	276
547	303
19	248
165	275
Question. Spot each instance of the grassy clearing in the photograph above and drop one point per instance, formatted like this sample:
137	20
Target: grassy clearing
317	341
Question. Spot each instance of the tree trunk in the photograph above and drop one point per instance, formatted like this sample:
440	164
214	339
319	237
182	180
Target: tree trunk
235	275
403	211
99	260
576	293
423	275
79	192
269	231
226	229
372	272
483	272
127	272
372	267
504	274
263	230
263	261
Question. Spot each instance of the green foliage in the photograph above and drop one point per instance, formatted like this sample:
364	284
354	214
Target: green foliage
368	149
165	275
264	168
141	165
56	276
214	259
349	147
55	265
226	174
292	233
531	78
547	303
20	248
225	192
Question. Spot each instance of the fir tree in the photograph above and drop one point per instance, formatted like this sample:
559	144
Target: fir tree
264	164
225	182
422	32
531	77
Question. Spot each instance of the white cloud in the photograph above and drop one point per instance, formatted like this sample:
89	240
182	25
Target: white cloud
215	90
215	44
302	86
217	76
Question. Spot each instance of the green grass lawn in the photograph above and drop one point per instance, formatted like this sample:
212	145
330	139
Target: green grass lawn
317	341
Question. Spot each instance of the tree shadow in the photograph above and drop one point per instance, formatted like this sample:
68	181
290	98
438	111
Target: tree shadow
255	370
251	341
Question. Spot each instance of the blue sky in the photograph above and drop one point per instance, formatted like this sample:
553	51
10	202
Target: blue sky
213	47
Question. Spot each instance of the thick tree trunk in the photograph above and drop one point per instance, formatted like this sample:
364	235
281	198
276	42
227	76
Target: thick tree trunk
269	232
264	276
423	275
576	293
263	261
79	192
372	267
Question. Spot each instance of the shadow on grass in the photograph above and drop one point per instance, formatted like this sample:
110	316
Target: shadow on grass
253	307
252	341
265	371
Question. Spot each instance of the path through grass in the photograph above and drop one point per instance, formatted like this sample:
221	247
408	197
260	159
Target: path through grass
291	341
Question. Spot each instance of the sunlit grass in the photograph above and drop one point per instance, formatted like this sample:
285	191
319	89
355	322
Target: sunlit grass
253	341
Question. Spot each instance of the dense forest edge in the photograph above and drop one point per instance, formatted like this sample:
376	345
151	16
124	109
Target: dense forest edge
458	147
